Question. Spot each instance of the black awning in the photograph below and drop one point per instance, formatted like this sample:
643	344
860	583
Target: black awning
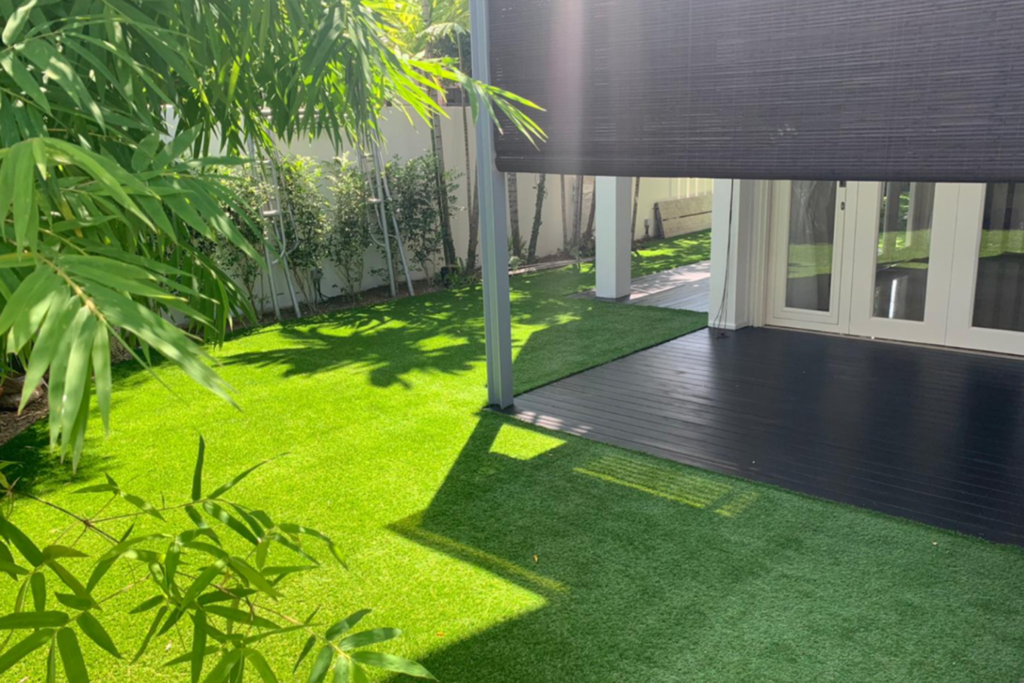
801	89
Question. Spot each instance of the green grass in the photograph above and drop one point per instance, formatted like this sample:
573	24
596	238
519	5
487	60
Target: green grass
659	255
510	554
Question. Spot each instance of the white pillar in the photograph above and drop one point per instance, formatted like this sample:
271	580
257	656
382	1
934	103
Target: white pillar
493	229
739	224
612	238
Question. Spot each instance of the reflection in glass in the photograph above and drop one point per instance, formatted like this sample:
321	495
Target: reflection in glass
812	231
999	290
904	247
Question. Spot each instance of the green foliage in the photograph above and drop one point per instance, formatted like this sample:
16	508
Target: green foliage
251	196
108	112
225	603
350	222
306	225
414	200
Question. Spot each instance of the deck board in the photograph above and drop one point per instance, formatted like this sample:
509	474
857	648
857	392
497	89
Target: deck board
933	435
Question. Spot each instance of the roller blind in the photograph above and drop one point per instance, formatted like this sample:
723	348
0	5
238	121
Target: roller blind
799	89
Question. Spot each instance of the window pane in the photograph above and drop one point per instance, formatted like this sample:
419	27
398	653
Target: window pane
999	291
812	231
904	248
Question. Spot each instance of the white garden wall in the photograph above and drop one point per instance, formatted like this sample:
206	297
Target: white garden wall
411	139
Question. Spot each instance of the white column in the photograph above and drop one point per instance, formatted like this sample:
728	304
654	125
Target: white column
493	229
612	238
739	223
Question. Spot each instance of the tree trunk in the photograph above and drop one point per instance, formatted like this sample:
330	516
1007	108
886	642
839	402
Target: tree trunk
565	216
632	223
474	227
588	236
437	147
472	198
537	217
577	212
512	183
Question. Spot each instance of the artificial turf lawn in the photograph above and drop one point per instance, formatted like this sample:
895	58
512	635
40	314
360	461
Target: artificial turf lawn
507	553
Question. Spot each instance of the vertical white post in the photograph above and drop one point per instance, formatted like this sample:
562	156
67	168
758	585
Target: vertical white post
493	230
612	238
739	222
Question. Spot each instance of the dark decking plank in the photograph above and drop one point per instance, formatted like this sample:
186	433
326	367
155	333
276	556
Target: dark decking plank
929	434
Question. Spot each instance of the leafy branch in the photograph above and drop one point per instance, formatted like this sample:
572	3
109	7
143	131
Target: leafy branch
190	575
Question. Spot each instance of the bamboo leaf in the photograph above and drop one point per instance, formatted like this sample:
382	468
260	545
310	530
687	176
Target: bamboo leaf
321	665
69	579
401	665
197	476
261	666
74	602
147	605
22	542
71	656
23	620
238	479
38	583
101	370
223	516
365	638
310	642
92	628
346	624
28	305
198	645
341	670
153	626
143	505
24	648
16	22
224	666
253	577
240	617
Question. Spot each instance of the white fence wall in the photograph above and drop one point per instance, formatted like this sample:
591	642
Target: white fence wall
411	139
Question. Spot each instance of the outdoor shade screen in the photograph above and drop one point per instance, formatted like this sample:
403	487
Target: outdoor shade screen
923	90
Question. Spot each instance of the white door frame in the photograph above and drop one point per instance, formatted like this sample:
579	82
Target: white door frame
931	330
776	311
960	326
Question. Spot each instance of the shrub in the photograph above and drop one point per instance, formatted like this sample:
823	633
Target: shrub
414	202
306	225
252	196
349	227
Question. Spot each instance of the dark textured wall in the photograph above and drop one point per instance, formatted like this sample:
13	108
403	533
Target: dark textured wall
801	89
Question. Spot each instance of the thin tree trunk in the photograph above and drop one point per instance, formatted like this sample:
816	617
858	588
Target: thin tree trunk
474	227
577	212
472	198
577	220
537	217
589	234
512	183
437	147
632	223
565	216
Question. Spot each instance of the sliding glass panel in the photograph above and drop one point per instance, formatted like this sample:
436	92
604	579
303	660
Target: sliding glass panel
904	250
999	289
812	231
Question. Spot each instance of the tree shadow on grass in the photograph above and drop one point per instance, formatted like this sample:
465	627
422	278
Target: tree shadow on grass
444	332
437	333
40	471
651	571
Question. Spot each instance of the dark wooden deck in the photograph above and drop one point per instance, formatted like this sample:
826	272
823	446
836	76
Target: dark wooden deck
929	434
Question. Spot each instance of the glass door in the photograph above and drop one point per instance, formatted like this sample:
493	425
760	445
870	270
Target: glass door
807	255
987	293
903	251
